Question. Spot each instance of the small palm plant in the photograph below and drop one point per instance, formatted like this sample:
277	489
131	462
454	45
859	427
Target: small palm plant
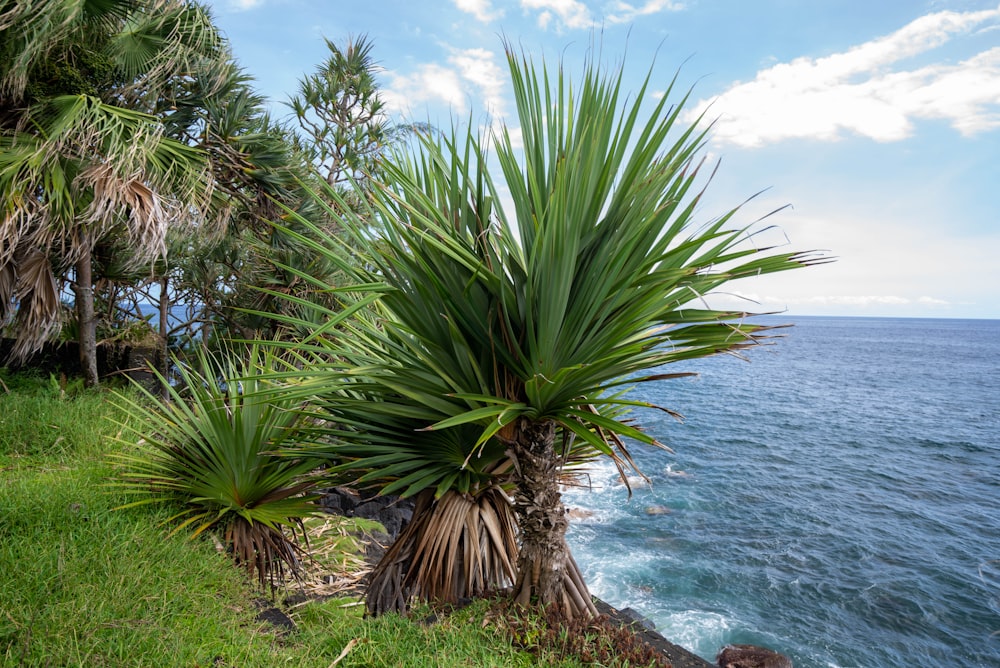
213	449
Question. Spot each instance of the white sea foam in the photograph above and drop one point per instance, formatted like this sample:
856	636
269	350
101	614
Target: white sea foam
670	472
701	632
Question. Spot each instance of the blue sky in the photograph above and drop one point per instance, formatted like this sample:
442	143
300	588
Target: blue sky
877	121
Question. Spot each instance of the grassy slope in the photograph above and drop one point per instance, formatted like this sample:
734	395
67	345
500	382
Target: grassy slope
85	584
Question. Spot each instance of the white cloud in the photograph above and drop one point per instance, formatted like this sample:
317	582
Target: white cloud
933	301
481	9
241	5
576	15
884	265
848	300
468	71
858	91
429	83
516	139
886	305
479	67
623	12
572	13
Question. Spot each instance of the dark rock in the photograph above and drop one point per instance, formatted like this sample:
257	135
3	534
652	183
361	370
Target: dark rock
677	655
331	504
376	546
391	512
339	500
751	656
636	618
394	518
371	509
269	614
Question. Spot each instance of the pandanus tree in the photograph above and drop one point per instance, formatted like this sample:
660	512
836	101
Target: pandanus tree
254	168
340	111
210	451
523	325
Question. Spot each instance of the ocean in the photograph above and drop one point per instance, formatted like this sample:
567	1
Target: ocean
835	498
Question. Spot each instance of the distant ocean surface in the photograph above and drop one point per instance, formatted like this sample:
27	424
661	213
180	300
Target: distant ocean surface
836	499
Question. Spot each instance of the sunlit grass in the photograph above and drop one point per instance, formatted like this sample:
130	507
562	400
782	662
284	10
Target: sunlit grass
85	584
48	416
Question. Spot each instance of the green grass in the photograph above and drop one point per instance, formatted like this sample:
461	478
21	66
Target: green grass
48	417
85	584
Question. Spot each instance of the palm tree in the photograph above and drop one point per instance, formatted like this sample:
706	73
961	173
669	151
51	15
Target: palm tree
258	164
82	158
93	170
462	540
339	109
528	325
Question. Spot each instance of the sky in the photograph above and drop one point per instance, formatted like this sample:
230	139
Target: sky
874	123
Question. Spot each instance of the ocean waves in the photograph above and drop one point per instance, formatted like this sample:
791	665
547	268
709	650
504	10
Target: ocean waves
835	499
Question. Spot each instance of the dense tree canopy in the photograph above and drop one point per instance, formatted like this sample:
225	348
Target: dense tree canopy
140	166
85	158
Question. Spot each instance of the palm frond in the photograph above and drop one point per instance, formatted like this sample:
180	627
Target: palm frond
457	546
162	40
215	449
36	292
498	332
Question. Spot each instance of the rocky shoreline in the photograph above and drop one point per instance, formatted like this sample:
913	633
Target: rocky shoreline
393	514
646	630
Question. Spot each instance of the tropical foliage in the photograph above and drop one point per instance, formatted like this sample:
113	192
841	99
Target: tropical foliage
155	191
468	312
214	451
341	114
507	337
217	263
85	161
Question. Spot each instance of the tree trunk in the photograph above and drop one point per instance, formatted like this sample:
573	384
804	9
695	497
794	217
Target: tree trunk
84	291
458	546
547	572
164	332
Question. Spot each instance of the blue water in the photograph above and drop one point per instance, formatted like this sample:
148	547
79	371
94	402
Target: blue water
836	499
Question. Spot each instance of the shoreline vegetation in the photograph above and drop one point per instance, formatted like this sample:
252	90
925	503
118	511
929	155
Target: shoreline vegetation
91	584
439	314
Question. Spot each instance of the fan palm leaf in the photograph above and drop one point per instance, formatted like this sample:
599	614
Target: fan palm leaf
101	167
146	42
79	158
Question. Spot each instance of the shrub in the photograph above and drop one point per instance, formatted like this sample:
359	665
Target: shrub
214	447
